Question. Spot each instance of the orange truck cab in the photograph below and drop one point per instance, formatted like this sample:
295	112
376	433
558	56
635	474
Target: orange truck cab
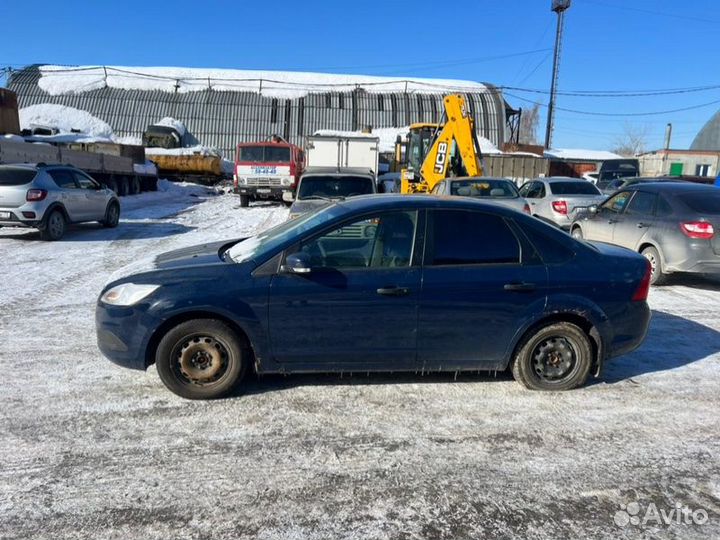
267	171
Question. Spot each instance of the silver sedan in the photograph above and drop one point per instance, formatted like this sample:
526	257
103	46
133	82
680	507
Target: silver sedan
496	190
555	199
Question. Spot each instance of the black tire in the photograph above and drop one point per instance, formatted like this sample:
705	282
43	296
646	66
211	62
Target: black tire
204	348
112	216
244	201
554	357
133	185
658	275
287	204
122	187
577	233
54	226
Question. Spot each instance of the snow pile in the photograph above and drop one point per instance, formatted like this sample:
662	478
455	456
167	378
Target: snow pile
580	154
145	168
170	122
57	80
65	120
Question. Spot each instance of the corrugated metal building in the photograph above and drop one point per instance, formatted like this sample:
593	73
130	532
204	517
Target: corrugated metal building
221	119
709	136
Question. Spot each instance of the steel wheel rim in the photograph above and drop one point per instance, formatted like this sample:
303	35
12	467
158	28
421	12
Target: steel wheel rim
55	225
200	360
554	359
653	262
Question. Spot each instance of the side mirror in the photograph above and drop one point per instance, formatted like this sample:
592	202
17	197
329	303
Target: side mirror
297	263
593	209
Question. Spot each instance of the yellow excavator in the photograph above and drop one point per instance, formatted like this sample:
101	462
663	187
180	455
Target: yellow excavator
435	151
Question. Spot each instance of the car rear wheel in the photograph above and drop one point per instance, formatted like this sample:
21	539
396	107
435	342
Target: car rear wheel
54	227
554	357
657	275
112	216
200	359
577	233
244	201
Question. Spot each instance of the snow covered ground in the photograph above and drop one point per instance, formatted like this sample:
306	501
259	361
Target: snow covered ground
91	450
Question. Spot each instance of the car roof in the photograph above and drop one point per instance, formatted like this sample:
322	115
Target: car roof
339	171
478	178
672	187
397	201
553	179
20	166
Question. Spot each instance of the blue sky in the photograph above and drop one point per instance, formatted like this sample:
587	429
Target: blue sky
608	45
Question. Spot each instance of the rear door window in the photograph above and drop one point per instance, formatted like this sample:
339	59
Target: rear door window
642	204
466	237
16	176
63	178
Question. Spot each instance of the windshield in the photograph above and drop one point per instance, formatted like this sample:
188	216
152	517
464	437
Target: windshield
268	240
328	187
264	154
484	188
573	188
418	147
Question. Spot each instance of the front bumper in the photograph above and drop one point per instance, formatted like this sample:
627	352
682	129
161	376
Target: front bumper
123	333
264	192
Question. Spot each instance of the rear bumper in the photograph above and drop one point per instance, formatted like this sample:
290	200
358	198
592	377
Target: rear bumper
630	329
695	256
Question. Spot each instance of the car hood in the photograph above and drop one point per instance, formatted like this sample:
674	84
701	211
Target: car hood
303	207
202	254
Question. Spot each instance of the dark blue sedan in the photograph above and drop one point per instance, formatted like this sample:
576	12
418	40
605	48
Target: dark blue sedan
380	283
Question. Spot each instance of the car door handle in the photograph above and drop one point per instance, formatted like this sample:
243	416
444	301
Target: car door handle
393	291
642	225
519	287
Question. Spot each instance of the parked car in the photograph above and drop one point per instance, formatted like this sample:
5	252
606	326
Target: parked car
380	283
555	199
498	190
50	197
673	224
320	186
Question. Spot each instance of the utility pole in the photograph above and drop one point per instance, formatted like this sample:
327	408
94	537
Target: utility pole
559	7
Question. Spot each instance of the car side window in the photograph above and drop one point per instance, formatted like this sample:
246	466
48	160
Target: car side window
63	178
436	190
84	181
466	237
382	241
541	190
663	207
642	203
616	203
525	190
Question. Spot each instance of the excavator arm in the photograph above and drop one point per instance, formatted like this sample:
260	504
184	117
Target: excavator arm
458	128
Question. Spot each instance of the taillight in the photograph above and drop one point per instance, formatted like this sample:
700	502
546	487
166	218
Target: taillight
641	293
35	195
526	209
698	229
560	207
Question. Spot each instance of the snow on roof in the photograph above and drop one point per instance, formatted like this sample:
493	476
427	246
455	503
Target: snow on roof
170	122
65	119
580	154
57	80
188	151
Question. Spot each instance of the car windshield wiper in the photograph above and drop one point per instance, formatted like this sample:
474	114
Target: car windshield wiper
319	198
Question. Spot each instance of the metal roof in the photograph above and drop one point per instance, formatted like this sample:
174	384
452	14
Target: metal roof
222	119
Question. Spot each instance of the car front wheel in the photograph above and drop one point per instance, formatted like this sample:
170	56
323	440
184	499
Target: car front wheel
577	233
112	215
200	359
554	357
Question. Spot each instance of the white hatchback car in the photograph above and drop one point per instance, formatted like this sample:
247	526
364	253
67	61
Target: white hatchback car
49	197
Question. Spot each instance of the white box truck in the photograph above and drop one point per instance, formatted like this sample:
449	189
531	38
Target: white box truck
342	151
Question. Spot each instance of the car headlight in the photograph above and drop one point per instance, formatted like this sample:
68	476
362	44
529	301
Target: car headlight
127	294
286	181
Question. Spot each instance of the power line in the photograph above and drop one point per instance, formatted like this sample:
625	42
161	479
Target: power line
654	12
596	113
617	93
